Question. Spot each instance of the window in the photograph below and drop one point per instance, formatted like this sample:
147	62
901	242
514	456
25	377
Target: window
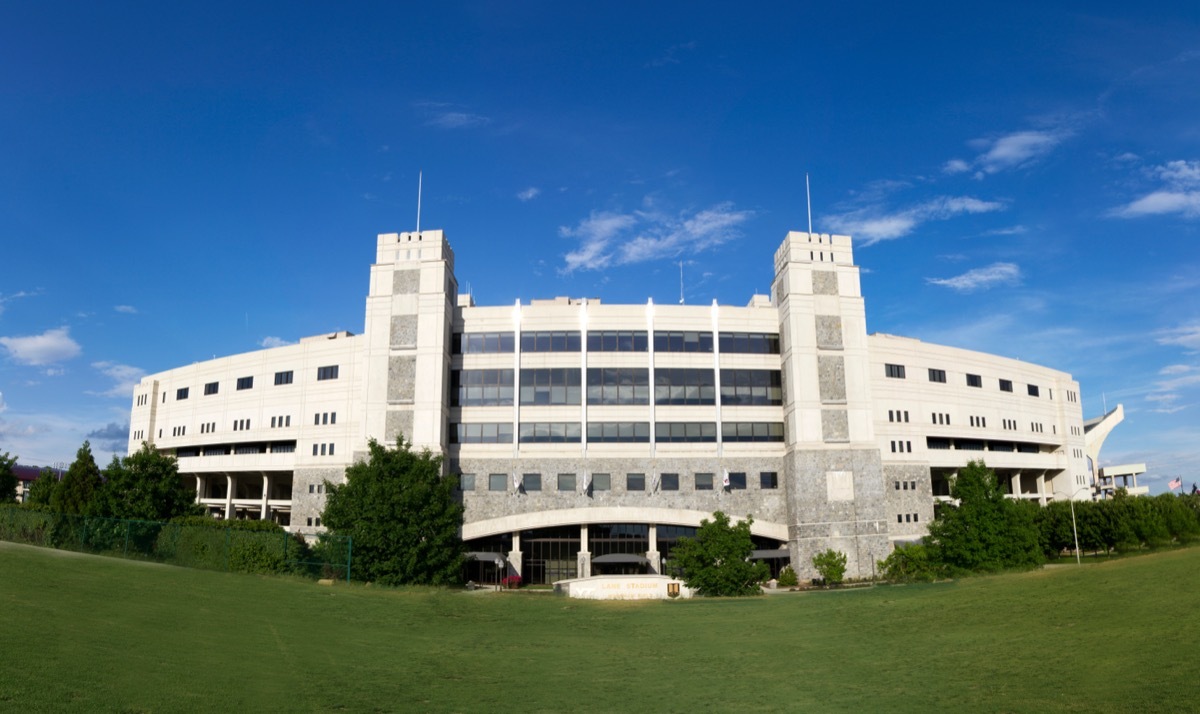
531	482
974	380
549	432
1006	385
937	375
466	482
324	373
283	378
760	387
181	394
245	383
482	343
737	481
1033	390
497	482
684	386
635	482
317	419
601	482
617	341
680	431
635	432
482	433
683	342
481	388
566	482
211	388
612	385
752	431
704	482
754	343
670	482
550	342
554	386
768	480
895	371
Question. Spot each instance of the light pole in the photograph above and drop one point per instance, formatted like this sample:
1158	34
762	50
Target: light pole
1074	530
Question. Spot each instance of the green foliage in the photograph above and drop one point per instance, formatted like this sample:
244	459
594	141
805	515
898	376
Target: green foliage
8	478
714	563
75	492
910	564
831	564
403	515
985	532
144	486
42	490
261	547
787	578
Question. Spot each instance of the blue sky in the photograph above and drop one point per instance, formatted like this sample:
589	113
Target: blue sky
182	181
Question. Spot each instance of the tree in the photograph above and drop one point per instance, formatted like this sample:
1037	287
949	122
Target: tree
144	486
403	515
42	490
715	564
831	564
8	478
74	493
986	531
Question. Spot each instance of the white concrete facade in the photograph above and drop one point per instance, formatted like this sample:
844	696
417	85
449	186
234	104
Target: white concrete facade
591	427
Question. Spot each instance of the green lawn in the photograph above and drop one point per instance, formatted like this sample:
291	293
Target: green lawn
81	633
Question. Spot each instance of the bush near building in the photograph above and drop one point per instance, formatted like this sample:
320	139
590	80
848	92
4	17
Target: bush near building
715	562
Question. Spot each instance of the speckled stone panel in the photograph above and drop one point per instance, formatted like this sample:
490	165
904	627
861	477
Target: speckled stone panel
402	375
829	332
404	331
835	425
824	282
398	422
909	495
307	505
831	376
405	282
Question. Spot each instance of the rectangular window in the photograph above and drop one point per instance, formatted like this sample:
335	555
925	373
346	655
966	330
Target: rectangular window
974	380
333	417
635	482
315	449
617	385
670	482
681	386
549	432
895	371
937	375
566	482
754	343
181	394
549	341
497	482
317	419
1006	385
481	388
482	433
1033	390
768	480
283	378
633	432
325	418
211	388
324	373
272	422
601	482
750	387
683	342
531	482
472	343
685	431
737	481
704	482
751	431
245	383
617	341
553	386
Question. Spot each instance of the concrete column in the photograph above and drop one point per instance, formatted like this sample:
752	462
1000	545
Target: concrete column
583	560
1015	481
263	512
199	487
514	555
653	555
1041	488
228	497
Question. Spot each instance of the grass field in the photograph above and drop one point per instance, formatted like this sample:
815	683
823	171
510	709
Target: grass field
81	633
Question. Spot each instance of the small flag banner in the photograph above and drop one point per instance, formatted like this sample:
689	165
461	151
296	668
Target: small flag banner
1176	484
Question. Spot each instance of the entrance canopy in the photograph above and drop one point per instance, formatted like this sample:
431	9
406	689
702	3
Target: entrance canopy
620	558
768	554
486	557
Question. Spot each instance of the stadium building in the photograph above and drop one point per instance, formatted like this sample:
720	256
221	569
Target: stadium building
588	437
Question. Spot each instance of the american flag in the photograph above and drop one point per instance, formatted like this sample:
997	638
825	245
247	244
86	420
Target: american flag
1176	484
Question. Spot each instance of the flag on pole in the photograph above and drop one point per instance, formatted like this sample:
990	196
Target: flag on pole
725	480
657	483
587	482
516	482
1176	484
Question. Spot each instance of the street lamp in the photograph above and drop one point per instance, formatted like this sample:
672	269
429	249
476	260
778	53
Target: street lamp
1074	530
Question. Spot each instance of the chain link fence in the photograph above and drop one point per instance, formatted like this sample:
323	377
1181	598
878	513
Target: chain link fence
234	546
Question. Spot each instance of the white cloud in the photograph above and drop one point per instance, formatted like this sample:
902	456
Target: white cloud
871	224
270	342
49	347
671	56
620	239
981	278
1187	336
127	309
1179	193
3	406
1175	369
1009	151
457	120
528	194
956	166
9	298
124	377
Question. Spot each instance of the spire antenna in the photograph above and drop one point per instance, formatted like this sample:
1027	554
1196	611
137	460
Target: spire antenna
808	195
419	201
681	282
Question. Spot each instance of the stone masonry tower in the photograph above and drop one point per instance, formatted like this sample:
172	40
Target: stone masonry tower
833	472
